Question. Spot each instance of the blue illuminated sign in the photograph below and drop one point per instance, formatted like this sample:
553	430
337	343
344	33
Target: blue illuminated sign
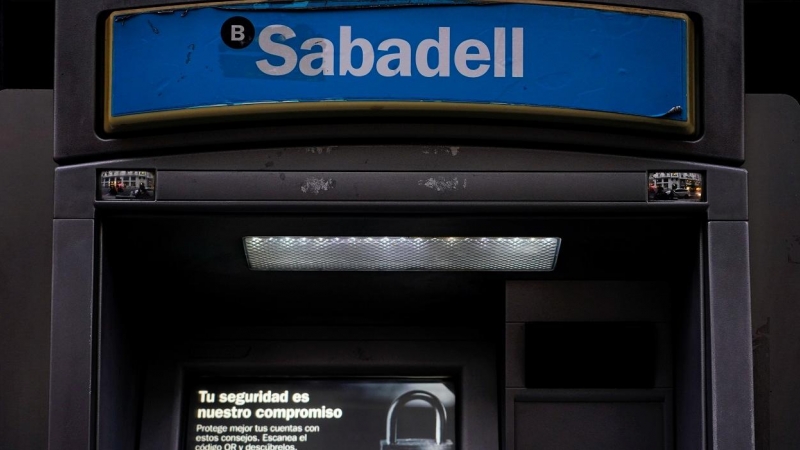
613	65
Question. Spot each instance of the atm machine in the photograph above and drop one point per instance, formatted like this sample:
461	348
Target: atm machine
393	224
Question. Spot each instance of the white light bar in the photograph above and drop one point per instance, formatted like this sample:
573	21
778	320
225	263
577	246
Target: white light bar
296	253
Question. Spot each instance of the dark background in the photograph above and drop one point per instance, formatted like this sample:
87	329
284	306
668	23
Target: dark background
772	38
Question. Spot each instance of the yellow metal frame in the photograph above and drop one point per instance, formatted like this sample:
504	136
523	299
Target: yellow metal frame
320	108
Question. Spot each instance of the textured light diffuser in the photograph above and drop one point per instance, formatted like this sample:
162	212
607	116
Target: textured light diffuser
294	253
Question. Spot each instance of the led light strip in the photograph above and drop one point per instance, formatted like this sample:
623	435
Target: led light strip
318	253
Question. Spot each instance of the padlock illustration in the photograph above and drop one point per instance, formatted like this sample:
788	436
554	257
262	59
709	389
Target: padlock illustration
393	443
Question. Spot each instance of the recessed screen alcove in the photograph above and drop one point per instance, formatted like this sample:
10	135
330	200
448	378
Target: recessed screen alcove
179	301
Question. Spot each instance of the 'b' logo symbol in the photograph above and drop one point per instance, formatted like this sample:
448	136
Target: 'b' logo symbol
237	32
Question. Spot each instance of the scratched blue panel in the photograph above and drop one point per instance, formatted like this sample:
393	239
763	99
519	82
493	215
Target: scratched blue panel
574	58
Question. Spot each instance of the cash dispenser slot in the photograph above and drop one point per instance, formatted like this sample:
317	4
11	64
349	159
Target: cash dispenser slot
595	385
591	355
596	364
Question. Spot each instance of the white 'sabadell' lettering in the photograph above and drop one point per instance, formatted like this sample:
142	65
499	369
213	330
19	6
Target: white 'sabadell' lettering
473	58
